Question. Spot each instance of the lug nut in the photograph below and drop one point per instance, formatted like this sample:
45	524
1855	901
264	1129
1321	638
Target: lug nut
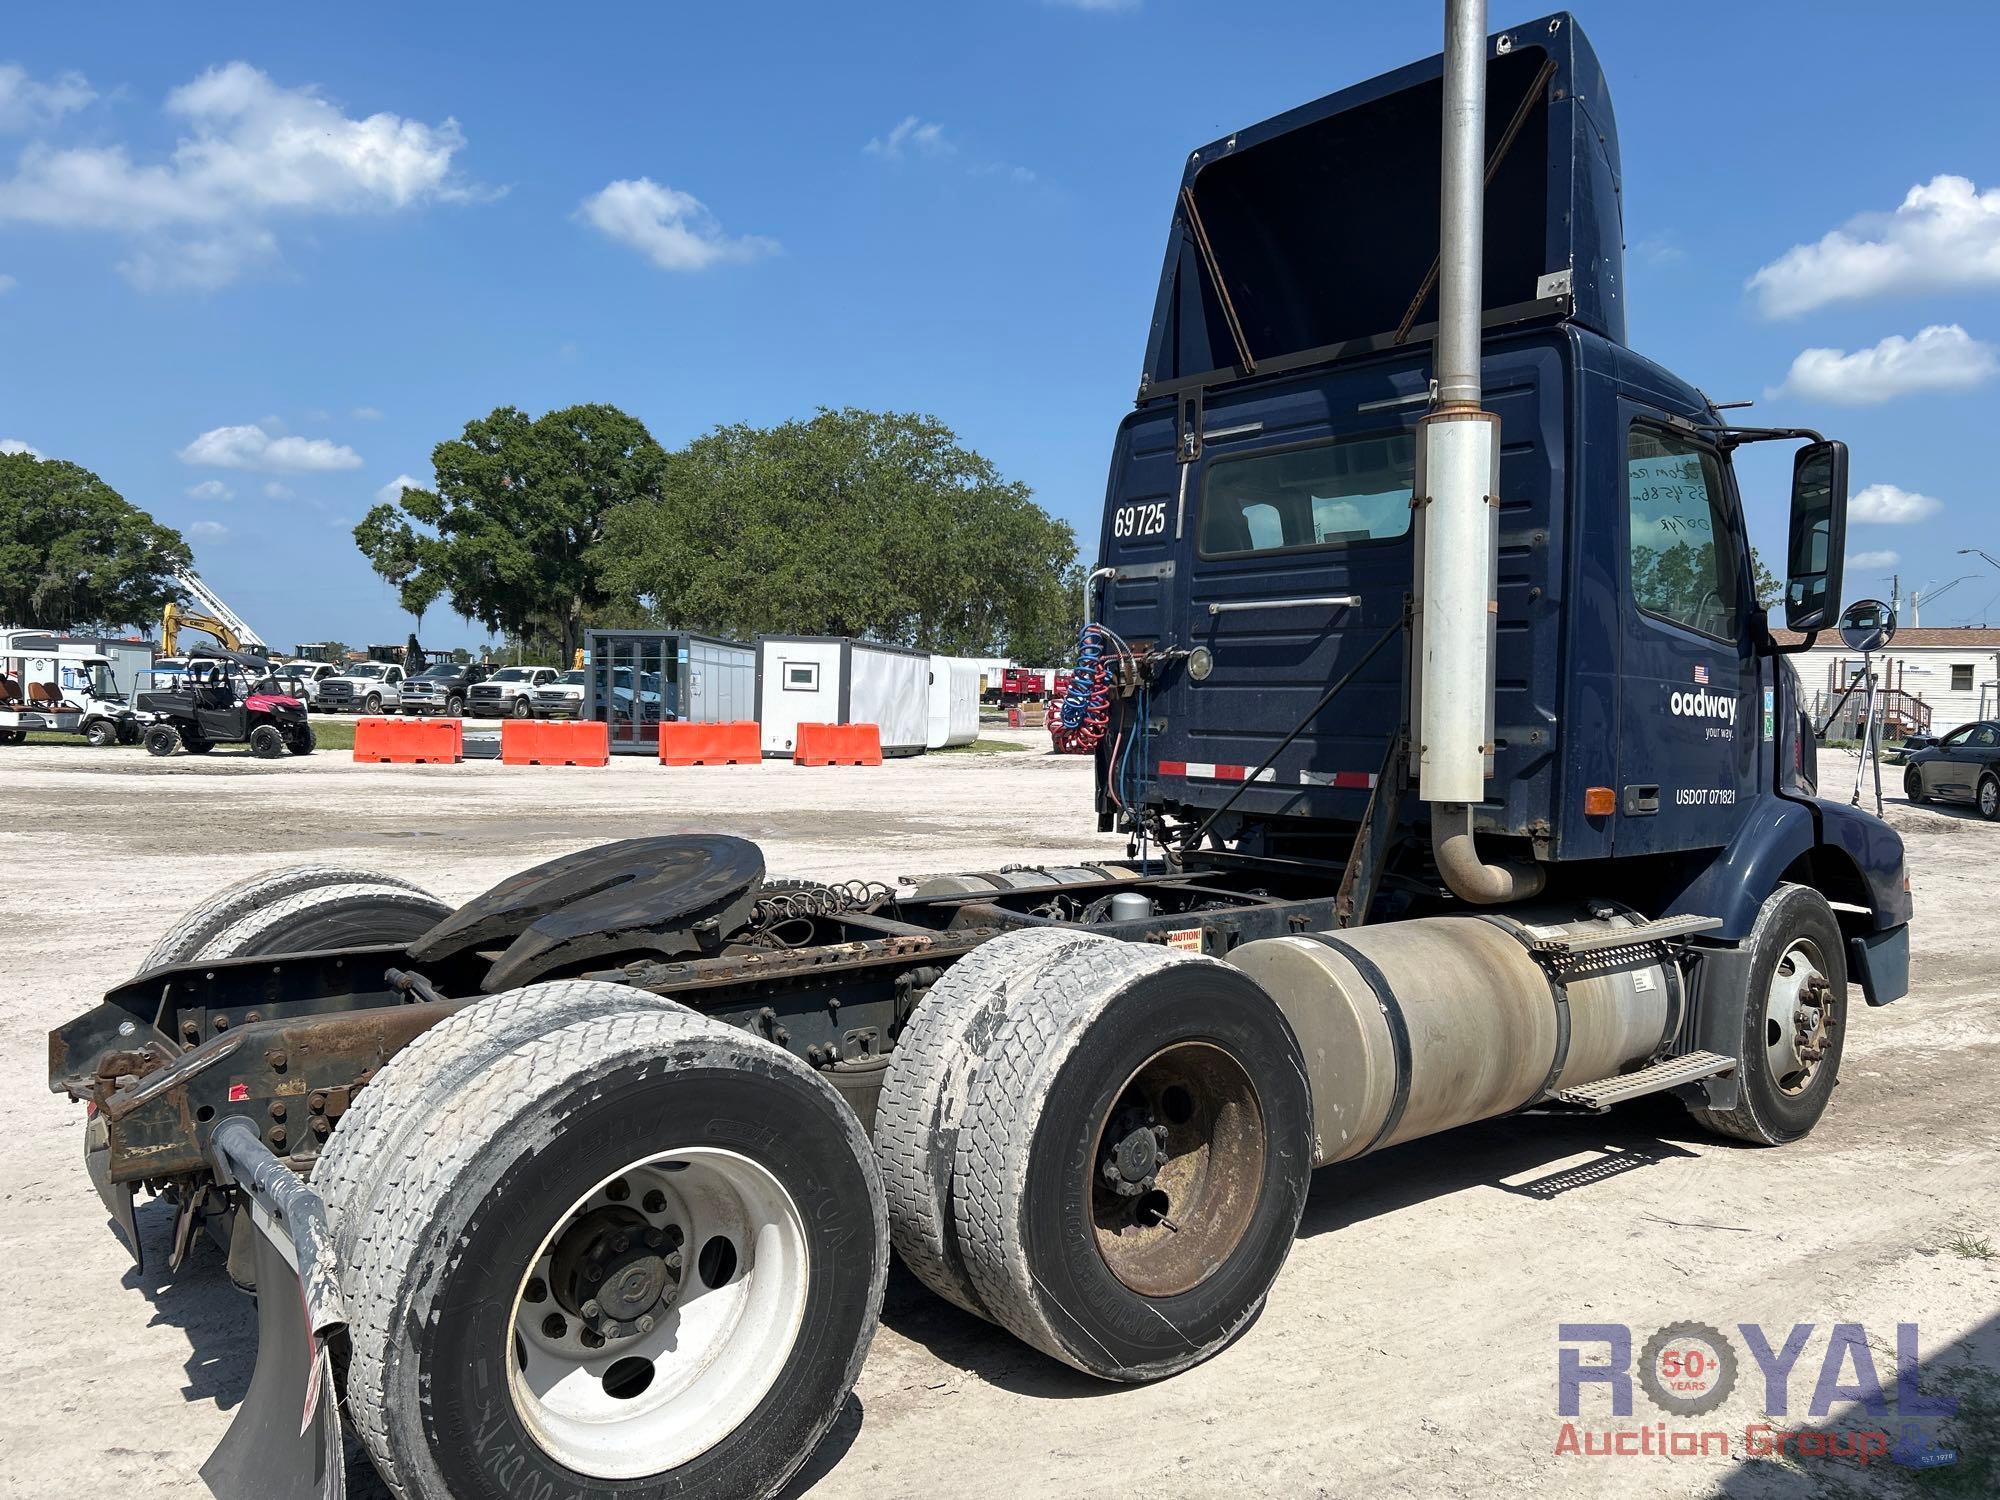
621	1244
591	1309
592	1339
1111	1171
646	1323
655	1239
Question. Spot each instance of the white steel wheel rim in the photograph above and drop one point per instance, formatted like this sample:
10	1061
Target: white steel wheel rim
1795	1016
713	1352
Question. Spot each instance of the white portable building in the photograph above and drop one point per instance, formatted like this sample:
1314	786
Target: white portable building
836	680
954	715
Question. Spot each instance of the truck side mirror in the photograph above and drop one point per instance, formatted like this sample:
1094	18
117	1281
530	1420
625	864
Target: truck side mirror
1818	536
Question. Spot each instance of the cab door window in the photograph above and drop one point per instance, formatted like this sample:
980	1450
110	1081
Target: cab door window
1686	562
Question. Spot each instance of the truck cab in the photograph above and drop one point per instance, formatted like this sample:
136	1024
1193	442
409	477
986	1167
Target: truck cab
1261	533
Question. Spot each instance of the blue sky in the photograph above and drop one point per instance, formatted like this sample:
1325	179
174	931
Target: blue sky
258	260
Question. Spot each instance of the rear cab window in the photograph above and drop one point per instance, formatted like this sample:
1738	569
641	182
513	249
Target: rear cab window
1318	495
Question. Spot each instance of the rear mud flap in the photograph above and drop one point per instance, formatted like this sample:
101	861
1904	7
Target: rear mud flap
285	1440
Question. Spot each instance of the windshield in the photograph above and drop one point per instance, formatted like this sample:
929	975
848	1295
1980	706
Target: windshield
574	679
444	669
512	674
90	677
367	669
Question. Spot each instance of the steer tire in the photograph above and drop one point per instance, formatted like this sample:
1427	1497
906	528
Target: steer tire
267	742
162	740
496	1168
329	916
1082	1057
394	1105
924	1095
228	906
1766	1113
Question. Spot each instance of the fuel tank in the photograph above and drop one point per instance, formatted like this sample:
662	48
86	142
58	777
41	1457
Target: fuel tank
1414	1027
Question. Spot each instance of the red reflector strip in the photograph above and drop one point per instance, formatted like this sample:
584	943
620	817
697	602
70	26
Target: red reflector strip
239	1093
1353	781
1209	771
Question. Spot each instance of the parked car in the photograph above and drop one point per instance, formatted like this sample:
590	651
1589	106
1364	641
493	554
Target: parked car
1964	766
308	675
509	692
366	687
563	698
441	689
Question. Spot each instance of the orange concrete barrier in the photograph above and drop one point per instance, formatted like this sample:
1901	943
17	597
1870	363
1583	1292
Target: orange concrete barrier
838	745
409	742
528	742
711	744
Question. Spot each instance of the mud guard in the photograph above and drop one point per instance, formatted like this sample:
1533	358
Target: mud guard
285	1440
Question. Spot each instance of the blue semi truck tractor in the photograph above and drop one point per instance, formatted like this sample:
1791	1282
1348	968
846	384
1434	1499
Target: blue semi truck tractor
1463	777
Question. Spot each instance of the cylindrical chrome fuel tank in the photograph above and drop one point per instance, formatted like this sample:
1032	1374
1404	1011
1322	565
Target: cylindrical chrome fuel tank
1409	1028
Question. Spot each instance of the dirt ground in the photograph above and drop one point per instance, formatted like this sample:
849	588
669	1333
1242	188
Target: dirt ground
1411	1346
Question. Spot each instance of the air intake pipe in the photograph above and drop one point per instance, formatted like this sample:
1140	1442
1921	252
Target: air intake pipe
1458	483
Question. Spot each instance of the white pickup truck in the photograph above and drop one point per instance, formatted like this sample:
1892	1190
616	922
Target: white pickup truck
367	687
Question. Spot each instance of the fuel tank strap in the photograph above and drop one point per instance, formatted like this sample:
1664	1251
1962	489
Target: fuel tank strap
1558	993
1392	1016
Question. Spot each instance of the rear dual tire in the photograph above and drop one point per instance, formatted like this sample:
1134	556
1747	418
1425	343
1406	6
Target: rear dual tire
453	1308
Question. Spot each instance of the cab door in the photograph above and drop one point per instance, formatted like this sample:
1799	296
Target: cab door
1691	717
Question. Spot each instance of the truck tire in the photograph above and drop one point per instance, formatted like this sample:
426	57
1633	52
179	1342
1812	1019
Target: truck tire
329	916
267	742
522	709
1798	964
643	1138
924	1095
100	732
454	706
228	906
1133	1160
394	1103
162	739
373	704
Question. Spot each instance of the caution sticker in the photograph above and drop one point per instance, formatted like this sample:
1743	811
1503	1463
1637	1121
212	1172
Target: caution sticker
1186	939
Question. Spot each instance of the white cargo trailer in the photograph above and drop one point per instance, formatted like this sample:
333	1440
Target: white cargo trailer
954	718
822	679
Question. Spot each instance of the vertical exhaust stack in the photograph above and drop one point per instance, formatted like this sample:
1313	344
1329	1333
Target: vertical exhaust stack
1458	522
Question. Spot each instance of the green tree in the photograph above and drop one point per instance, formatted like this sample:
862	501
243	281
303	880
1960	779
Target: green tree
1770	589
73	551
519	506
850	523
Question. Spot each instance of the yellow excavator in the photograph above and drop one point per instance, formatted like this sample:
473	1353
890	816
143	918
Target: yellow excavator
174	619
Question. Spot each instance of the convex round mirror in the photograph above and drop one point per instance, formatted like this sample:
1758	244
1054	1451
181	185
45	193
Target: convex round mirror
1867	625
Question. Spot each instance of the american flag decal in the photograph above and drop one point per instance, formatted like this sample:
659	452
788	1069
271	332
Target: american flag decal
1701	675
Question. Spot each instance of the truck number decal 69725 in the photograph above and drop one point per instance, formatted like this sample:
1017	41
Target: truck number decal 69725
1140	520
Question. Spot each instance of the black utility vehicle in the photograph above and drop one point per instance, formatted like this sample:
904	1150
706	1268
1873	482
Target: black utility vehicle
232	700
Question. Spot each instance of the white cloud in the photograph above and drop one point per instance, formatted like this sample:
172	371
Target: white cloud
28	105
210	489
253	152
1885	505
911	136
277	491
208	531
366	414
672	229
15	445
391	492
1874	559
1943	357
251	447
1944	236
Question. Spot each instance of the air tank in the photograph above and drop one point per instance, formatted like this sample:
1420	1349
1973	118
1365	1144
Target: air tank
1414	1027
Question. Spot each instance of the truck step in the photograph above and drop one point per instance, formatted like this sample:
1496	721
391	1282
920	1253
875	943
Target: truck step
1675	1071
1572	943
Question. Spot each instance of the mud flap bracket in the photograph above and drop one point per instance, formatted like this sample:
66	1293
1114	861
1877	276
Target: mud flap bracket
285	1440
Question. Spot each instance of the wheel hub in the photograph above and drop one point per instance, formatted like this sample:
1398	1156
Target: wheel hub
1798	1018
1135	1150
616	1271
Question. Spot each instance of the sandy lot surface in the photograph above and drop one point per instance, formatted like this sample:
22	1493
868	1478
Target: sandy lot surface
1410	1348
